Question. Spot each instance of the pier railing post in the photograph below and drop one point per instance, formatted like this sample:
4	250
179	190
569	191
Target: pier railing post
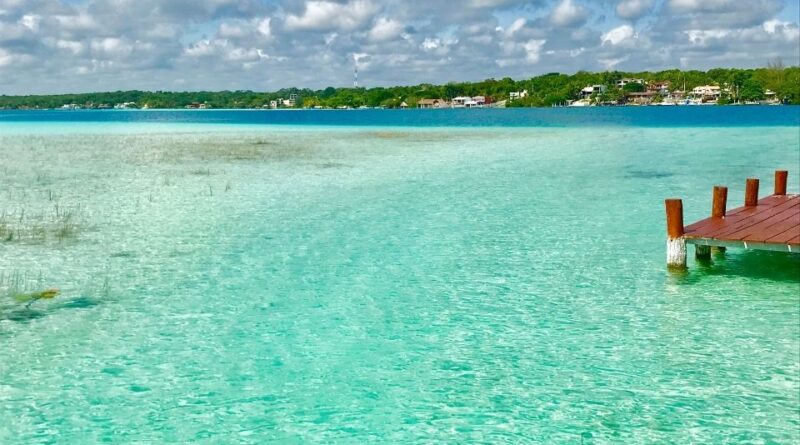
719	206
751	193
676	243
780	181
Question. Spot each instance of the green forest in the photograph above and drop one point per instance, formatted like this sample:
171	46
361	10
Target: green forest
543	91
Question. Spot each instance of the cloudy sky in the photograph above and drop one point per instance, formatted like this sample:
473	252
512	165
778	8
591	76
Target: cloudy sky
51	46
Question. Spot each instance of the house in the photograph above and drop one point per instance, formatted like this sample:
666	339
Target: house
660	87
432	103
707	93
290	102
514	95
593	89
770	98
460	101
622	82
641	98
403	104
469	102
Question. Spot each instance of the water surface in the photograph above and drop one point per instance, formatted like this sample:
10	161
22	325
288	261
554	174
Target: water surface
233	282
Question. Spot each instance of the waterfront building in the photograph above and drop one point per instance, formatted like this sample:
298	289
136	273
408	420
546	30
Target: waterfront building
432	103
593	89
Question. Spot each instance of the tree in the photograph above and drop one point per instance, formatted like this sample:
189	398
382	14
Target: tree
751	90
633	87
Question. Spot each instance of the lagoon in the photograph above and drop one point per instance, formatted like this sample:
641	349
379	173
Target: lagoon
453	276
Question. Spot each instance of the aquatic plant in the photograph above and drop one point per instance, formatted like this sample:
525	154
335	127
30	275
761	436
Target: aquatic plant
21	287
201	172
60	223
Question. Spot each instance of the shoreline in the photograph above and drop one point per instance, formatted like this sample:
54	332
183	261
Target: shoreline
682	106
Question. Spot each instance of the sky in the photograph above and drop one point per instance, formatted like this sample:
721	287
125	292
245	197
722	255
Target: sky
66	46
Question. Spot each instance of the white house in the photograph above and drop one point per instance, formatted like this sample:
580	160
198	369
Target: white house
469	102
593	89
458	102
514	95
707	92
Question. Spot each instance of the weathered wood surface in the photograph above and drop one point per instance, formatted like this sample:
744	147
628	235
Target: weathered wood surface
773	224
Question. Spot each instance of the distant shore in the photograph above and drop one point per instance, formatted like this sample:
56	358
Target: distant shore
772	85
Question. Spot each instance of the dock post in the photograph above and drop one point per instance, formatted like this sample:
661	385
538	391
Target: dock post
676	243
780	181
719	206
751	193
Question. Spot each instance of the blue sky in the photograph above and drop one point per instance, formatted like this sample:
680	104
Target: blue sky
49	46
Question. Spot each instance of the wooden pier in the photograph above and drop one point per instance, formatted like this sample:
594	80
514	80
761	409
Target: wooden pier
770	223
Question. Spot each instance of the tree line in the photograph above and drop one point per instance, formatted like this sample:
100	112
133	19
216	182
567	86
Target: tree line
543	91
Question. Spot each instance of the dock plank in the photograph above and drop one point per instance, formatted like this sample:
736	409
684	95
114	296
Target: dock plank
758	229
775	220
753	217
787	237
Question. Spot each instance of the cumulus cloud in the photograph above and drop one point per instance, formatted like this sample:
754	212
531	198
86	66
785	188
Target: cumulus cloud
567	13
327	15
718	13
634	9
385	29
85	45
618	35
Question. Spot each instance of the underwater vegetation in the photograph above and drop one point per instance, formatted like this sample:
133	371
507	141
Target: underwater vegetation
57	224
18	288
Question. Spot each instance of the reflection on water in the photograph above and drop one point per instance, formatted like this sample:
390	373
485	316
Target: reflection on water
778	266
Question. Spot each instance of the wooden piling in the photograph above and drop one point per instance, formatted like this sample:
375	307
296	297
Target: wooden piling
676	244
719	206
719	203
751	193
780	181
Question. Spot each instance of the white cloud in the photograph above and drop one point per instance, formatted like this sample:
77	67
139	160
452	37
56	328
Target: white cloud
111	46
326	15
618	35
82	22
790	32
567	13
31	21
717	13
430	44
233	30
609	64
533	48
203	48
491	3
385	29
67	45
634	9
264	27
73	46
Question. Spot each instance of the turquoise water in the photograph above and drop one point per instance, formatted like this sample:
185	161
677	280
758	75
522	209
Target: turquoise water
242	283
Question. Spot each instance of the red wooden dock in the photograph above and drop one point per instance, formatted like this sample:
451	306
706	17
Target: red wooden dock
771	223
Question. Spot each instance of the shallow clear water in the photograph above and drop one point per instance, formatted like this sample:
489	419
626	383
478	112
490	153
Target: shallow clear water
247	284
